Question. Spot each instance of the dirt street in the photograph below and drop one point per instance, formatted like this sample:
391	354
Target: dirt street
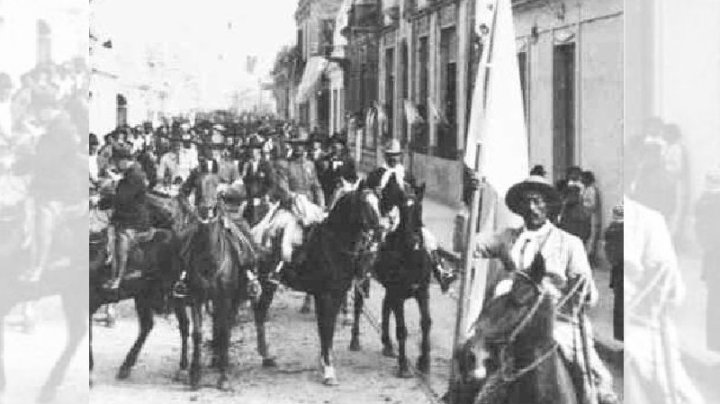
365	377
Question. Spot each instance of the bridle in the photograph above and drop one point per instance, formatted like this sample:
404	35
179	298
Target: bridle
506	373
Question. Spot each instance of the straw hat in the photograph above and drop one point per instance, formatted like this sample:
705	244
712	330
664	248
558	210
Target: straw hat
534	183
393	147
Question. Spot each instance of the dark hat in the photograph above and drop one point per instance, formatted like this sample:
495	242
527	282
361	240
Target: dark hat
538	169
93	140
534	183
122	153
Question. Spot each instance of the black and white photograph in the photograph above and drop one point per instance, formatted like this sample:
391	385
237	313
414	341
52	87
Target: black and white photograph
359	201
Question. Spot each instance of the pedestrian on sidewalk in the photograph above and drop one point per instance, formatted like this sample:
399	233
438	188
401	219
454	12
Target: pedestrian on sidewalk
614	253
707	228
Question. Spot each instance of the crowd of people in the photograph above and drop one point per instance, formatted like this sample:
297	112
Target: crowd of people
43	116
265	163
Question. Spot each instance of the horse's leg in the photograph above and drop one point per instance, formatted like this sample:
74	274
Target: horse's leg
385	337
306	304
423	299
197	308
347	319
327	306
184	327
94	306
398	305
76	327
222	317
145	321
358	308
260	311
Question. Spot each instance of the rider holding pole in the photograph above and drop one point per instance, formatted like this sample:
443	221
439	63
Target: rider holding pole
569	276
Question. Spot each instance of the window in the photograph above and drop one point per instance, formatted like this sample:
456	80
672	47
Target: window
420	142
300	44
327	30
44	42
334	111
389	90
121	104
563	109
447	132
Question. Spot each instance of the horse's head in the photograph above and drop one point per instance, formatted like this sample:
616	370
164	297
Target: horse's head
522	314
208	203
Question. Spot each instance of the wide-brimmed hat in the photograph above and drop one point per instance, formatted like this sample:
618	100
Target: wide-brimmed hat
393	147
534	183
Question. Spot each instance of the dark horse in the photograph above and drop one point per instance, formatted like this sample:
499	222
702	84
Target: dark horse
64	277
157	258
220	270
404	268
512	356
334	251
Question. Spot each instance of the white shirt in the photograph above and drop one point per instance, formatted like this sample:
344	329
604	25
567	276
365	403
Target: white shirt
527	245
94	167
399	172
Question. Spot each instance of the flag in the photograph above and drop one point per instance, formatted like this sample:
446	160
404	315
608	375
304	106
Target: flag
497	132
412	115
439	115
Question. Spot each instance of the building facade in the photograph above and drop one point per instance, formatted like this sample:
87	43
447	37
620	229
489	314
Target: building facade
571	65
315	30
425	72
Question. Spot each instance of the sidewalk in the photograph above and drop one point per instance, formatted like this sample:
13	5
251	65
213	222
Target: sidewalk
440	219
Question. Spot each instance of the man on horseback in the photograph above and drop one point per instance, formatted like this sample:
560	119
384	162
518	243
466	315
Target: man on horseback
257	175
204	183
130	216
393	168
570	278
303	186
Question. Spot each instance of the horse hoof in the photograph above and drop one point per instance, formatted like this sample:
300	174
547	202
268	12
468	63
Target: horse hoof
330	381
388	351
404	373
269	363
123	373
355	345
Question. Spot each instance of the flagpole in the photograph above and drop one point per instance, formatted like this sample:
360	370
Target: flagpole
472	224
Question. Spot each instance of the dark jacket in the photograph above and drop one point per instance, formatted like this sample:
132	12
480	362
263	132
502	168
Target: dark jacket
614	252
130	209
258	182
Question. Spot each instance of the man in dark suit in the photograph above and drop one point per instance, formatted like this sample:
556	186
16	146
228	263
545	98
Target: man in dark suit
258	178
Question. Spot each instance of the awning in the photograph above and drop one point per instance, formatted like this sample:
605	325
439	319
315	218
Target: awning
313	71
